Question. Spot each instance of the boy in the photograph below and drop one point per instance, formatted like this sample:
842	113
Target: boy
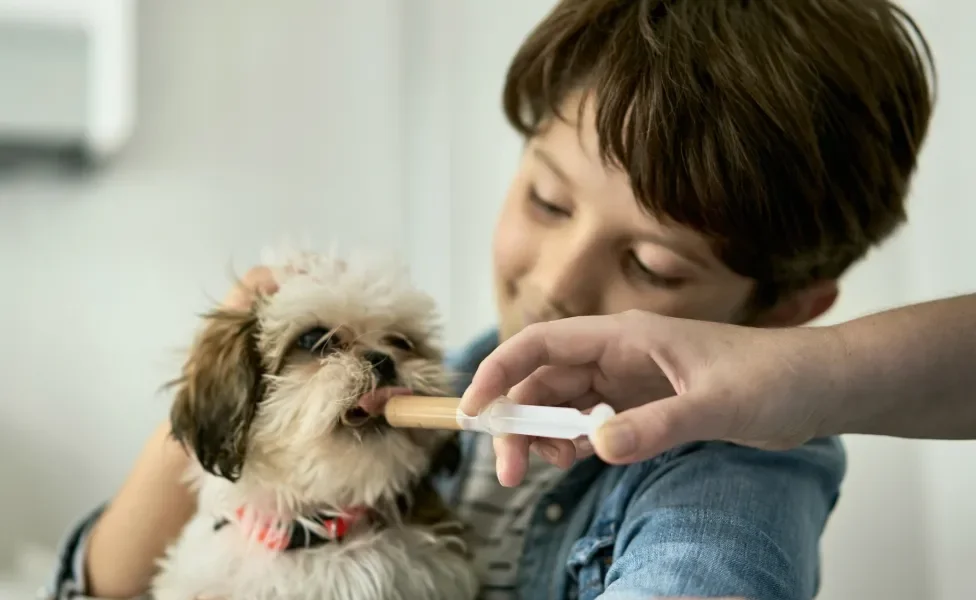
722	160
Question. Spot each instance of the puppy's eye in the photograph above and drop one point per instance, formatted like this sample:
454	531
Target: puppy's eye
317	339
400	342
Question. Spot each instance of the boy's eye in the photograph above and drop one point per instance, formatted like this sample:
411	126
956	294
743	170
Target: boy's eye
652	276
400	342
317	339
546	206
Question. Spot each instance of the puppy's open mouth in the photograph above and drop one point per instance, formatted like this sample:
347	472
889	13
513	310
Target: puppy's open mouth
357	417
368	413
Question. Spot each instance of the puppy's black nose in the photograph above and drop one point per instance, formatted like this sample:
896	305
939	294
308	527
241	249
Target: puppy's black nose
383	367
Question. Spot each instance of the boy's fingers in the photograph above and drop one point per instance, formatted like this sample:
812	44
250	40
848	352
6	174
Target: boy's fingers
256	280
566	342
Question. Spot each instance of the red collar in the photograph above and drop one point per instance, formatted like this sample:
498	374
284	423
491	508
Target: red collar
296	535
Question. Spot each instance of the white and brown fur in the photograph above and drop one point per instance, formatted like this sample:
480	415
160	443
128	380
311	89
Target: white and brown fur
269	425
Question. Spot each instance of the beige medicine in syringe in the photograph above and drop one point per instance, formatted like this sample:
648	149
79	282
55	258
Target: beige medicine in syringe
423	412
501	417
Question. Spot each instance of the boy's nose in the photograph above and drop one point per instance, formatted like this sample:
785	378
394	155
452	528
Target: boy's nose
569	285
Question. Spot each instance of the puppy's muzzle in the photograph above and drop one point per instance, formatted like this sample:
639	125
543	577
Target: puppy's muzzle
368	409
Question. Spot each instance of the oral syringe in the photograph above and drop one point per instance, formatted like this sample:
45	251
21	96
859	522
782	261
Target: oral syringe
501	417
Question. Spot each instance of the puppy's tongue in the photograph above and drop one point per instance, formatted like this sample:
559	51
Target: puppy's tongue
375	401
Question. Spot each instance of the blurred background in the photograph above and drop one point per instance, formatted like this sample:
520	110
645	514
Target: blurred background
171	140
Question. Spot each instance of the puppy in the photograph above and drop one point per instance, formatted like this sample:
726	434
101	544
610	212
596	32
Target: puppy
304	490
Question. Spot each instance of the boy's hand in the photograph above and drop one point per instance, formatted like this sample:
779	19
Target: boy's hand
154	504
242	295
671	381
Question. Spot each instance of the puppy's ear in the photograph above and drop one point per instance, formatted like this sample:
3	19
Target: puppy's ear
218	392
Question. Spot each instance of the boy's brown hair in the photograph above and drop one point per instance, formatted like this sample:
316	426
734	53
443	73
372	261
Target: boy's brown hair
786	131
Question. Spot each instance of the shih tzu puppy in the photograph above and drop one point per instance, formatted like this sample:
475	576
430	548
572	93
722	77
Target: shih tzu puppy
304	491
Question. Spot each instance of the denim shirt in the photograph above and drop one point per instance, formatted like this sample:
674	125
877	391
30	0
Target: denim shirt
706	519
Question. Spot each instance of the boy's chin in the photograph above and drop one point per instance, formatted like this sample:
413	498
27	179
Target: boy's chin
506	330
508	322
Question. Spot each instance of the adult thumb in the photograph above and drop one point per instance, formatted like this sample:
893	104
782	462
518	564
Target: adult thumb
648	430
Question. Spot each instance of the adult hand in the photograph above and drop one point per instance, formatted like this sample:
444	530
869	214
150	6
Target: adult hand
670	380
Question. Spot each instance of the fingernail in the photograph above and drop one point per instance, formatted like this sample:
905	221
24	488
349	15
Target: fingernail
463	405
617	439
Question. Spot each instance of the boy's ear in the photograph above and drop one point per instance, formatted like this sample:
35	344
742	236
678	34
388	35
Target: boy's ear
800	307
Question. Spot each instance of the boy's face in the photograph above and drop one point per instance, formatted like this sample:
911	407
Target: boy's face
572	240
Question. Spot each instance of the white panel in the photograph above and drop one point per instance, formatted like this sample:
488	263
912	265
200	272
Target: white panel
111	100
69	73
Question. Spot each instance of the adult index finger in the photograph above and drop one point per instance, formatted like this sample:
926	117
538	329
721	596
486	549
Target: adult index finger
567	342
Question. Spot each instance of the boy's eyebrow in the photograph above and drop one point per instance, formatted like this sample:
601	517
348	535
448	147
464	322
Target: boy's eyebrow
543	156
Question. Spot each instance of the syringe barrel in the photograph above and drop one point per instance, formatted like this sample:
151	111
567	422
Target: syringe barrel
501	418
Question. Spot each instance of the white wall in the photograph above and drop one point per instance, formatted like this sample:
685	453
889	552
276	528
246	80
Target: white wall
942	252
257	120
345	120
906	527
